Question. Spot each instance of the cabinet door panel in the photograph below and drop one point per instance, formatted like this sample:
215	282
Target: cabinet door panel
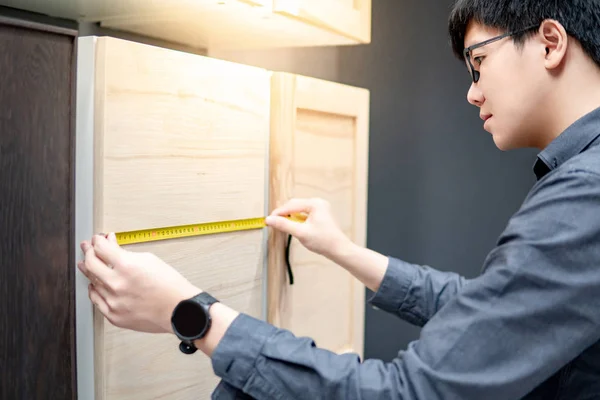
179	139
183	137
142	366
319	149
37	132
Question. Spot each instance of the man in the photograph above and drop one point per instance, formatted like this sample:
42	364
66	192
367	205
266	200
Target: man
528	327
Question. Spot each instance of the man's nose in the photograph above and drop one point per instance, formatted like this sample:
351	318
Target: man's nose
475	96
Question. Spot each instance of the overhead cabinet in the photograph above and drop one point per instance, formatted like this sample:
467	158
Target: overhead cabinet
226	24
178	138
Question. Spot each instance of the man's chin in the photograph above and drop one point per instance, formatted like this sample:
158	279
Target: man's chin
503	143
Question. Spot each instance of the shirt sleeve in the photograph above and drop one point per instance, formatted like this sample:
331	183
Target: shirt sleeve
534	309
415	292
225	391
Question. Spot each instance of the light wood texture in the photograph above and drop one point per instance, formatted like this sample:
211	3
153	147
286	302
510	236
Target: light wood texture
143	366
184	137
319	148
351	18
179	138
224	24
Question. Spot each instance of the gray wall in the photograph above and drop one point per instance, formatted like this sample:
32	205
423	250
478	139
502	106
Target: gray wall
440	193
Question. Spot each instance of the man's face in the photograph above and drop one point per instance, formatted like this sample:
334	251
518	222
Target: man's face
511	88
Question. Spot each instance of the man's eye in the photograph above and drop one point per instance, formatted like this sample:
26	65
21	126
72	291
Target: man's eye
478	59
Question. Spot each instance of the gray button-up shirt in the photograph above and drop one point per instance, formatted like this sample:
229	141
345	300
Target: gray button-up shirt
527	327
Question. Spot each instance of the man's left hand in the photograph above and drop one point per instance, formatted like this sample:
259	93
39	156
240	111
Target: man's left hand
136	291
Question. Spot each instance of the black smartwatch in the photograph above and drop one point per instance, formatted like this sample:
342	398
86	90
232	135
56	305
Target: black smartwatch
191	320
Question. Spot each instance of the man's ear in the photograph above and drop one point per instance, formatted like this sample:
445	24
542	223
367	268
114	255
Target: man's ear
555	39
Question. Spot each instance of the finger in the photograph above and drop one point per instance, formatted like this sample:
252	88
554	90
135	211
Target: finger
96	267
98	301
91	277
113	238
285	225
102	290
84	270
84	246
107	250
294	206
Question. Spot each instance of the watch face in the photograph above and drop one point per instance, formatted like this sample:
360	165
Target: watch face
189	319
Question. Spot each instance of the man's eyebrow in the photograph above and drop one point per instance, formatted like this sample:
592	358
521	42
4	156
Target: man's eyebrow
477	38
469	43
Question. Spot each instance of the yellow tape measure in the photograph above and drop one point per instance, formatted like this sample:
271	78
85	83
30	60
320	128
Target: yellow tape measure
207	228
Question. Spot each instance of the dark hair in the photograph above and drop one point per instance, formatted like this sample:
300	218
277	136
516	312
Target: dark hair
580	18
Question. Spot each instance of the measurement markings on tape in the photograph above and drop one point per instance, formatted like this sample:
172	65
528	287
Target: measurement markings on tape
207	228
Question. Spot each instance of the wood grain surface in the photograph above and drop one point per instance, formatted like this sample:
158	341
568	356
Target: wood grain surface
37	330
180	139
319	148
237	24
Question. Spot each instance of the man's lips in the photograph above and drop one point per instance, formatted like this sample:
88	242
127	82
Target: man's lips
485	117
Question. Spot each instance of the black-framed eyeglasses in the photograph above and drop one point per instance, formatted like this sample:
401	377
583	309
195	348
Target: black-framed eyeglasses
467	51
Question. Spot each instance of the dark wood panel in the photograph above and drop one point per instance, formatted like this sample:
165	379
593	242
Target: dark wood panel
37	310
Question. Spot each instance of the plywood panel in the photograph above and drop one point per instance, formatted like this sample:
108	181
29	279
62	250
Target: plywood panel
179	138
231	24
183	137
37	132
225	24
351	18
319	148
142	366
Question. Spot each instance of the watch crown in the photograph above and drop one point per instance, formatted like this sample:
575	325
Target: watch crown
186	348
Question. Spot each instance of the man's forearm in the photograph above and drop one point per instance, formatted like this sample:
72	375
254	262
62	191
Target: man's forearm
412	292
366	265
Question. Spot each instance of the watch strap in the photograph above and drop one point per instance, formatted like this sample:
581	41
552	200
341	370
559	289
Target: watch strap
204	299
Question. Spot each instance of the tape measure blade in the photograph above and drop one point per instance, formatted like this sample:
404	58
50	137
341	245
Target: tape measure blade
183	231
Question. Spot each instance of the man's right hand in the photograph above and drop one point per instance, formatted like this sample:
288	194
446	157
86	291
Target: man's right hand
319	233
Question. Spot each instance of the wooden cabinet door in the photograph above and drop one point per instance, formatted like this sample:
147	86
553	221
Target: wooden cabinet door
351	18
319	148
179	139
37	135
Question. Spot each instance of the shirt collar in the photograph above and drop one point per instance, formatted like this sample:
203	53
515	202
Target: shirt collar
568	144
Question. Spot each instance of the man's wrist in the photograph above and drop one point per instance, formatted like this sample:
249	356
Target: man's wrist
342	252
222	317
181	295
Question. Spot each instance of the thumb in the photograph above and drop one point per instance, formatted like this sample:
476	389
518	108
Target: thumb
112	238
285	225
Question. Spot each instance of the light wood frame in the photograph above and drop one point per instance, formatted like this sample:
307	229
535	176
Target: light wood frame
291	93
